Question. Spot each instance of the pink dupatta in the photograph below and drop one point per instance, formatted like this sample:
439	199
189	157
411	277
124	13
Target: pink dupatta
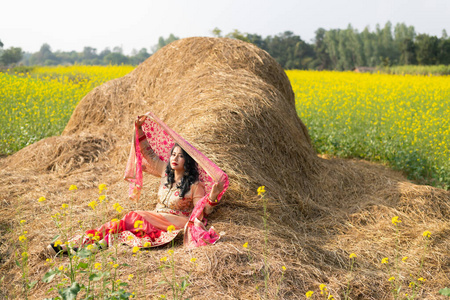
161	139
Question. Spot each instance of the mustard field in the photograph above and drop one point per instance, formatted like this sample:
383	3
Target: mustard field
399	120
402	121
37	105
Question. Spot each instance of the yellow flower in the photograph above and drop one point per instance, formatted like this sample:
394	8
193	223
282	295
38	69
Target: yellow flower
261	190
193	259
385	260
22	221
98	266
61	268
118	281
22	238
90	247
101	188
73	187
163	258
147	244
24	254
352	255
391	278
57	243
170	251
309	294
130	276
114	220
395	220
135	249
426	234
283	268
41	199
117	207
64	206
170	228
245	245
330	297
138	223
130	237
404	258
323	287
412	284
101	198
162	296
93	204
421	279
115	266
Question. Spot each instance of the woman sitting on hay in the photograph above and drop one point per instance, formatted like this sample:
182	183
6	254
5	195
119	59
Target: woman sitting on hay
191	185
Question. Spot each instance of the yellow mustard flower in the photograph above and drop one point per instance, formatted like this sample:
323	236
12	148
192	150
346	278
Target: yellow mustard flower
22	238
283	268
135	249
115	266
352	255
24	254
330	297
309	294
73	187
391	278
261	190
245	245
101	188
41	199
61	268
170	251
98	266
64	206
385	260
57	243
138	224
93	204
114	220
117	207
101	198
404	258
193	259
118	281
421	279
426	234
170	228
130	237
395	220
163	258
22	221
147	244
323	287
130	276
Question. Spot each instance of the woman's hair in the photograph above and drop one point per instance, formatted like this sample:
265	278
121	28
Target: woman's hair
190	173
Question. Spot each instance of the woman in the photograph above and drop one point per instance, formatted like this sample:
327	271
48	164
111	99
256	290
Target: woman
183	197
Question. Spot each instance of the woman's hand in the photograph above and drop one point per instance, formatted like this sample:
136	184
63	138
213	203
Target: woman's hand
140	120
215	191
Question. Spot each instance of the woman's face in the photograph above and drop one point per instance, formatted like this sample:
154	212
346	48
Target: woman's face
177	159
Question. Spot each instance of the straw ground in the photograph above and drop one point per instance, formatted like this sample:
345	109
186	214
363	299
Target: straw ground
235	104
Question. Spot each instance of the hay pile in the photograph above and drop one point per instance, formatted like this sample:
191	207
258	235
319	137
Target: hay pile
235	104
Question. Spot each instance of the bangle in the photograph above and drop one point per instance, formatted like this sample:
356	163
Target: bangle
211	202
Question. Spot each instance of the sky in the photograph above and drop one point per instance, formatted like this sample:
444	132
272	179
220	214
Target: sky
136	24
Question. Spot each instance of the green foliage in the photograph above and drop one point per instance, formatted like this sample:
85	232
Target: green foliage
11	56
445	292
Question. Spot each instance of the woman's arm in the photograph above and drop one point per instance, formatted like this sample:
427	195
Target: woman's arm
151	162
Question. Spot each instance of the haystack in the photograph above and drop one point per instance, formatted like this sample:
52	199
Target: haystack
234	103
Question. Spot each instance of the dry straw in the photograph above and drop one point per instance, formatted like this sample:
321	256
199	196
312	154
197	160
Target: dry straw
234	103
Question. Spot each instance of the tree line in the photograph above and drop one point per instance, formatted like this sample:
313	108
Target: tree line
334	49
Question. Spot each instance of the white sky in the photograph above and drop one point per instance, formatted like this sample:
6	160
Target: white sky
72	25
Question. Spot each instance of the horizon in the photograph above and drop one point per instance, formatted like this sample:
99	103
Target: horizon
108	24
